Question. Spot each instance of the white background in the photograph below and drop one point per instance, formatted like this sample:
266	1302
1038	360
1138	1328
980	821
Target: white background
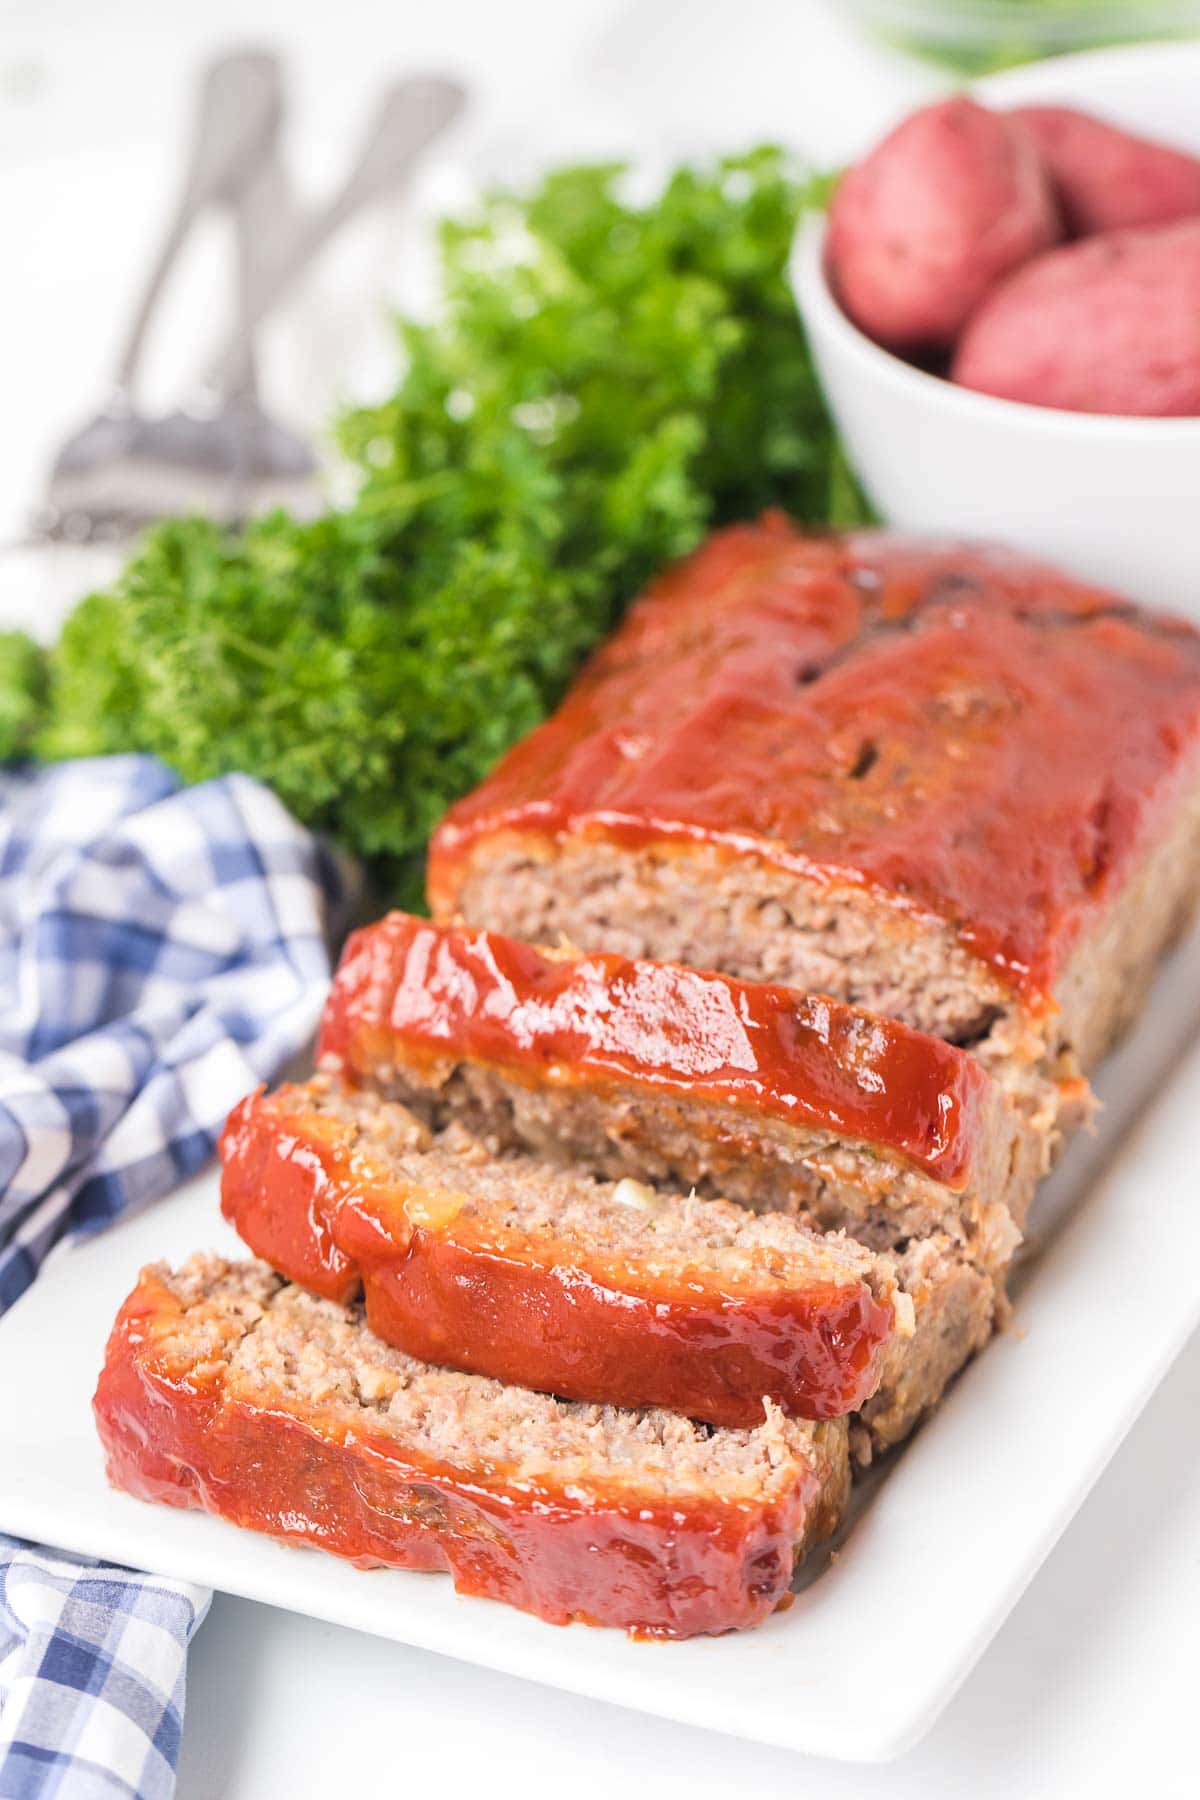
1091	1687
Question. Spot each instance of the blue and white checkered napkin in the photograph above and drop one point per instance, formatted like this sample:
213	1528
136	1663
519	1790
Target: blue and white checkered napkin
92	1667
162	951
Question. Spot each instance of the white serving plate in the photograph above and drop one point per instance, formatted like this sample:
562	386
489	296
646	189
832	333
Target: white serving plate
943	1543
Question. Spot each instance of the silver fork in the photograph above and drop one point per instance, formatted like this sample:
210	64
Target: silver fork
222	453
270	465
410	115
238	114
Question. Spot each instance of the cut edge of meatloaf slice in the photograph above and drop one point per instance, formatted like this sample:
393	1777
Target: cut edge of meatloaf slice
736	912
549	1277
957	1307
745	1090
758	923
225	1388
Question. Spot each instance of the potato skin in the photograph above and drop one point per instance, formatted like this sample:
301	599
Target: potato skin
1107	179
948	203
1107	325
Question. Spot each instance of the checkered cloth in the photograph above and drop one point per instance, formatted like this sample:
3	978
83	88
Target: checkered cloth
92	1666
162	952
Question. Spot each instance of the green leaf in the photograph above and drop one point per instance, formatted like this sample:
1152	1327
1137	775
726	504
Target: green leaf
609	377
23	685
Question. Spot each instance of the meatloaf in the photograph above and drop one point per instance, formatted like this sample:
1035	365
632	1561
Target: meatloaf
545	1277
742	1089
941	782
225	1388
608	1291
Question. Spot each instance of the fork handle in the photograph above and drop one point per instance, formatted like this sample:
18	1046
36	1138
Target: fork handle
264	219
238	112
411	114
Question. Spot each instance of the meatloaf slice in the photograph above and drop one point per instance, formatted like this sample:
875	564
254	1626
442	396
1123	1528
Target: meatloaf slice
754	1092
545	1277
937	781
226	1389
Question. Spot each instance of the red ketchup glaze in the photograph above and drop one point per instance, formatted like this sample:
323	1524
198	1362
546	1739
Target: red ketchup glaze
407	990
531	1311
177	1435
969	735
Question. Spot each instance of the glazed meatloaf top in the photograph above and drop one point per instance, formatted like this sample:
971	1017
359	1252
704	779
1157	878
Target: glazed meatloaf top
408	990
967	737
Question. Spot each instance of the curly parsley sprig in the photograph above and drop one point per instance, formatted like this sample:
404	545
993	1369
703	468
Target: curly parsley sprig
606	380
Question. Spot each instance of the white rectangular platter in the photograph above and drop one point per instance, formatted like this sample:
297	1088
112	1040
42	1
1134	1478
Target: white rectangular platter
942	1544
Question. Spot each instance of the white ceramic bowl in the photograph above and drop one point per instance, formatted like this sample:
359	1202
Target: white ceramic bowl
1116	500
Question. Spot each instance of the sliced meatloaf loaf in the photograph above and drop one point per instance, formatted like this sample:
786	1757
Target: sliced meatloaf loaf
542	1276
615	1292
747	1090
226	1389
937	781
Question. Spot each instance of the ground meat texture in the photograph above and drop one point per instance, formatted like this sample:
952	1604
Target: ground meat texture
551	1278
746	1090
225	1388
926	778
956	1308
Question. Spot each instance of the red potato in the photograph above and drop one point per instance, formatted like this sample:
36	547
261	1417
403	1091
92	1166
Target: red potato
952	200
1107	179
1108	325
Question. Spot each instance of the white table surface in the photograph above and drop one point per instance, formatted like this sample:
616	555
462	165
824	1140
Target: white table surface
1090	1687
